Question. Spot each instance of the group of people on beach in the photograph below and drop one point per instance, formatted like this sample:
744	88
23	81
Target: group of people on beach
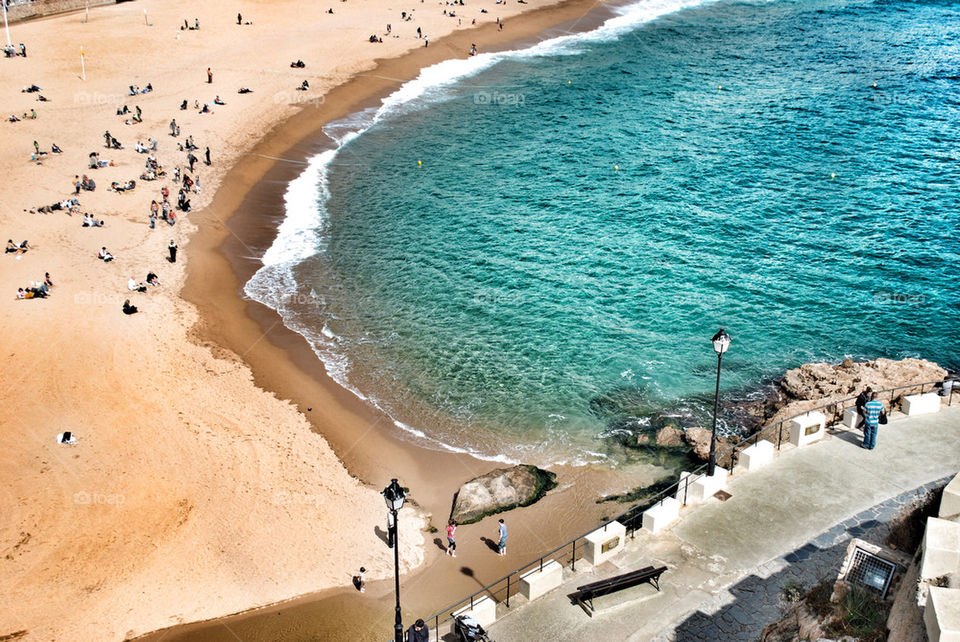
37	290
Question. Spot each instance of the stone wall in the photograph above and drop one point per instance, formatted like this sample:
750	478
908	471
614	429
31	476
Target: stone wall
39	8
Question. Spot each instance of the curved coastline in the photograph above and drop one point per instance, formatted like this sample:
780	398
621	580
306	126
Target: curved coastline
241	222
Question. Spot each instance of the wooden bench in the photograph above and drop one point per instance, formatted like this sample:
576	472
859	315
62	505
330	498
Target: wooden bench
587	592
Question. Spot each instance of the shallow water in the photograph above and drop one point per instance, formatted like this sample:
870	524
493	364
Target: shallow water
517	260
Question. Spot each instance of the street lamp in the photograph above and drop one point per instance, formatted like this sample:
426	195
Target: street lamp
721	341
394	496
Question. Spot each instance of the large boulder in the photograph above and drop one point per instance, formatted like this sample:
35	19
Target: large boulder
500	490
699	440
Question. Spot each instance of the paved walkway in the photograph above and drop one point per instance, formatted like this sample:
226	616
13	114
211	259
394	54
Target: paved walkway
728	560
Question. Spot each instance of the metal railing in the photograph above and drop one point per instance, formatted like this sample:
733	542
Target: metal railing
501	590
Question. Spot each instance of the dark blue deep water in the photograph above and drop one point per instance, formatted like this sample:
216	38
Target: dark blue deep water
587	214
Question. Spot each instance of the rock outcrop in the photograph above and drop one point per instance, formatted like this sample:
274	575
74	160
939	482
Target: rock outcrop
816	384
500	490
699	440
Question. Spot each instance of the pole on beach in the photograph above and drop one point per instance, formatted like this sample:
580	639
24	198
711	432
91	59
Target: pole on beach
394	496
721	341
83	67
6	27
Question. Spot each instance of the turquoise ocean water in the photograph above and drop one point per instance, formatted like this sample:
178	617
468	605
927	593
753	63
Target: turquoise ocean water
586	213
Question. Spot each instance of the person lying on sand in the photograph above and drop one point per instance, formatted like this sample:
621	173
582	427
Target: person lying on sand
30	90
244	90
124	187
31	293
14	248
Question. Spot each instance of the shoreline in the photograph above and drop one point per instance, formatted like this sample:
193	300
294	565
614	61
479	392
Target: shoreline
189	468
226	250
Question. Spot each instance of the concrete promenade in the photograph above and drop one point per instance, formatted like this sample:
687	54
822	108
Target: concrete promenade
727	560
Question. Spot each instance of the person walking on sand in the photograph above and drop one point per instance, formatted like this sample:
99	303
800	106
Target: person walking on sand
209	76
239	19
172	248
206	155
872	413
451	542
502	532
358	580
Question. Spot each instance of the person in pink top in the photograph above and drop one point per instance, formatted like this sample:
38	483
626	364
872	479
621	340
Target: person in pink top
451	543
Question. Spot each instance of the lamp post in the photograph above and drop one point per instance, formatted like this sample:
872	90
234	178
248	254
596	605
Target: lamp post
721	341
5	27
394	496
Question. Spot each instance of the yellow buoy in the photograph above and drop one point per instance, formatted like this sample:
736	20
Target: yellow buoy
419	163
616	168
719	87
832	176
568	82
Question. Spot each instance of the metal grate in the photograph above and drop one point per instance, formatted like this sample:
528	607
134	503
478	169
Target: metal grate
871	572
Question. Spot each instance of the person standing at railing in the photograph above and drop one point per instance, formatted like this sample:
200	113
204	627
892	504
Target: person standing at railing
872	412
862	400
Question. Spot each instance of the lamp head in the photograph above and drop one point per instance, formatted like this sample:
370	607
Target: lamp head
721	341
393	495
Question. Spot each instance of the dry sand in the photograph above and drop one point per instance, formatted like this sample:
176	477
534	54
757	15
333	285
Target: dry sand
192	492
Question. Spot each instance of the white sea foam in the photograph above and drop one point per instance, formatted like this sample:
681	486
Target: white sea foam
301	234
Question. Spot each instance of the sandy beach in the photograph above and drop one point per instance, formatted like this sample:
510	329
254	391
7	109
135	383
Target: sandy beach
213	458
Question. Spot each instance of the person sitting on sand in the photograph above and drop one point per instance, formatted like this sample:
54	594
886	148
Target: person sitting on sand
89	221
153	279
205	109
133	286
217	101
87	184
55	149
299	64
303	86
140	148
104	255
13	119
128	308
47	281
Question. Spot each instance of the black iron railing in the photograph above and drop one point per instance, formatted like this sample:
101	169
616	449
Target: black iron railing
501	590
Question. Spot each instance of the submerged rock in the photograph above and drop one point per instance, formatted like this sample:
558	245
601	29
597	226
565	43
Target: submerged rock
500	490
